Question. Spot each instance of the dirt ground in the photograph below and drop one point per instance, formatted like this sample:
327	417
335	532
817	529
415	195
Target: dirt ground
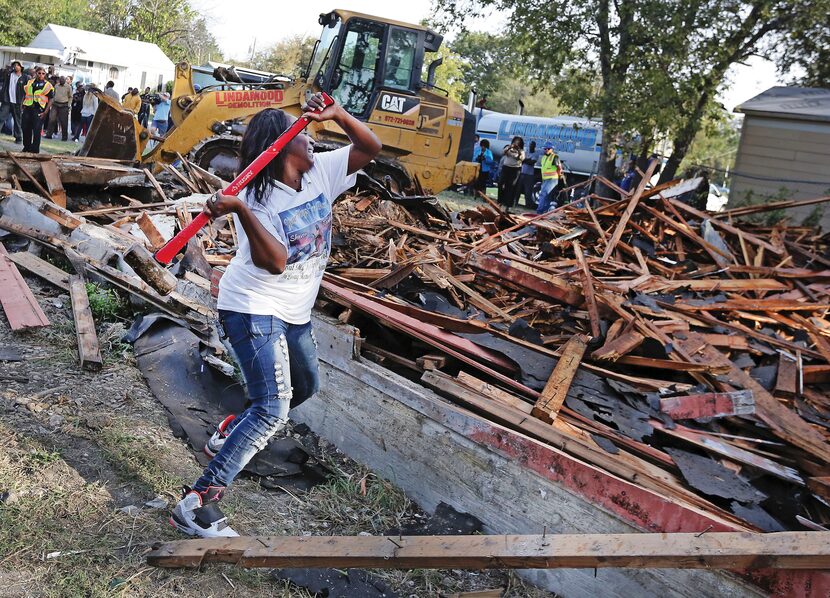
84	453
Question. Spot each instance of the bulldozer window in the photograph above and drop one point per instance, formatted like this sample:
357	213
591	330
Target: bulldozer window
354	77
400	59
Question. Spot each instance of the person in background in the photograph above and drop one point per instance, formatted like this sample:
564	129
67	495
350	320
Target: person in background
551	173
484	157
88	109
161	114
37	102
470	189
109	90
527	179
75	112
512	158
133	101
627	180
13	82
144	111
59	115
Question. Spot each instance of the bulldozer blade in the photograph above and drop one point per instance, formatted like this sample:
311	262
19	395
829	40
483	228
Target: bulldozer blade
114	133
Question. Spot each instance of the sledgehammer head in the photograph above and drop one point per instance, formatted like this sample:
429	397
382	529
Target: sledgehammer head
149	270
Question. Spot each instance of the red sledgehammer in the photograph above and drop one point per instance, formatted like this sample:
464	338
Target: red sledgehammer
166	254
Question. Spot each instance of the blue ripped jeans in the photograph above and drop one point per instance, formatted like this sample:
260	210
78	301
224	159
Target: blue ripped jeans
279	364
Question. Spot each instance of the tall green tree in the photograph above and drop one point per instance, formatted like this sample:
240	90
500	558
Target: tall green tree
288	57
449	76
646	67
22	21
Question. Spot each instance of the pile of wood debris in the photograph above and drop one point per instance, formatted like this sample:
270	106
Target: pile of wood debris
684	351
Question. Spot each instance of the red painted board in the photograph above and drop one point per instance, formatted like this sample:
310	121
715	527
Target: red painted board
21	307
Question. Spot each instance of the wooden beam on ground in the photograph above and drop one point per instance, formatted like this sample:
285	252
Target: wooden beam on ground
21	307
715	550
41	268
53	183
89	353
710	404
553	395
629	210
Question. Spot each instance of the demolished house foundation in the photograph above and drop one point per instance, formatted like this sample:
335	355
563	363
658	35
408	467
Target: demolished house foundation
614	366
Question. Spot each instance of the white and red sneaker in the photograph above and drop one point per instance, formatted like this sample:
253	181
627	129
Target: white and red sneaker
197	514
215	442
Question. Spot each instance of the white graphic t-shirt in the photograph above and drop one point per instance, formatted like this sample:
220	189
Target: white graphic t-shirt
300	220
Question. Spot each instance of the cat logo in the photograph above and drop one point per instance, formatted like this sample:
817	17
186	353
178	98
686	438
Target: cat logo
392	104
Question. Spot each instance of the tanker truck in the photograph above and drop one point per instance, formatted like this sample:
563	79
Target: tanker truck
576	139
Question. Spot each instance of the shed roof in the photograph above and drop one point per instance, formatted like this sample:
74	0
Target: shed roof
98	47
797	103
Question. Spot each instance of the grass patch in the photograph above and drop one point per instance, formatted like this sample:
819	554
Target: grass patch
356	502
137	460
106	304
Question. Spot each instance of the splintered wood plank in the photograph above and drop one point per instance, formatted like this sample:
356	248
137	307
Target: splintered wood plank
786	384
154	236
553	395
53	183
41	268
588	289
724	550
622	345
629	210
710	404
21	307
89	353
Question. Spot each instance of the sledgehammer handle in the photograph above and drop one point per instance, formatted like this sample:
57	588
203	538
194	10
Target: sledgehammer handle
166	254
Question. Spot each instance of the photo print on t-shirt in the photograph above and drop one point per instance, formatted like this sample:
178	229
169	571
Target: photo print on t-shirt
308	230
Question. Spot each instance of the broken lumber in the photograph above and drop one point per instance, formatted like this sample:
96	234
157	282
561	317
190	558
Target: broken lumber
622	345
89	353
629	210
553	395
722	550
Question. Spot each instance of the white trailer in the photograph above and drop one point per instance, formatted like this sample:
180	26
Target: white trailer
576	139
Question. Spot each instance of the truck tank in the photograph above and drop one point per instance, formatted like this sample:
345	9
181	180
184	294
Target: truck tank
577	140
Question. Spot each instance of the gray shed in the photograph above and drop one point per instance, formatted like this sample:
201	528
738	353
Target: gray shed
784	151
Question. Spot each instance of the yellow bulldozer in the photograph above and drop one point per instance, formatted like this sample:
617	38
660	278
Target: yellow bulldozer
372	66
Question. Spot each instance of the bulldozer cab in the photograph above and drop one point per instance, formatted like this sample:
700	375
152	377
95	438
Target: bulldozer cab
358	57
370	65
